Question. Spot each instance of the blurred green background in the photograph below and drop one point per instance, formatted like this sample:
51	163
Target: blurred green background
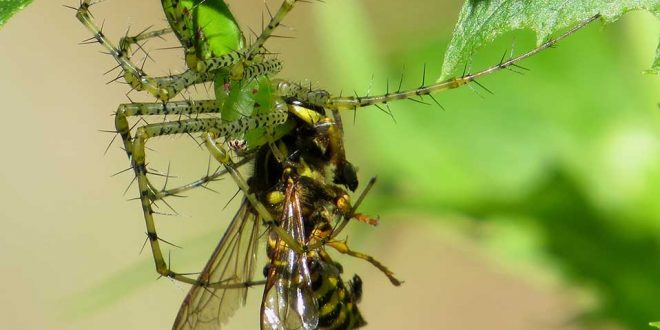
533	208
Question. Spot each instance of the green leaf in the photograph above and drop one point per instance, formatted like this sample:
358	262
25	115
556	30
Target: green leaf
482	21
655	324
9	7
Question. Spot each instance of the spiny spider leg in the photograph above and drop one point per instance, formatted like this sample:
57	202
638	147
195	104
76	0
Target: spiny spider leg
126	42
201	181
189	109
165	88
215	126
222	156
183	108
275	21
354	102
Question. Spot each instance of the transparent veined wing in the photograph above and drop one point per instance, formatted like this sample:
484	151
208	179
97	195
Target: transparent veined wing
288	301
232	264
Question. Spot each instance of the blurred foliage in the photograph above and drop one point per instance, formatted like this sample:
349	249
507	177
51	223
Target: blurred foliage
567	154
10	7
480	22
590	246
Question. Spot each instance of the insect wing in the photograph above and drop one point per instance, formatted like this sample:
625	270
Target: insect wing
288	301
232	264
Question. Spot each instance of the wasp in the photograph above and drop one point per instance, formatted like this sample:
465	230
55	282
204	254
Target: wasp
306	195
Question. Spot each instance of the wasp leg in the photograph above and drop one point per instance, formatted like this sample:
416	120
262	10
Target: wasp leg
347	211
188	126
343	248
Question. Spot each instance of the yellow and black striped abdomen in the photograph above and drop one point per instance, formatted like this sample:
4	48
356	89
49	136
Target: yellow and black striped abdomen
337	301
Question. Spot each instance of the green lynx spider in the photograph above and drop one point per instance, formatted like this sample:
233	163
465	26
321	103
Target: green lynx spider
235	64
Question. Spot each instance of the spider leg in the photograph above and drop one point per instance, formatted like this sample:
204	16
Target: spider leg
222	156
215	126
180	109
275	21
209	177
165	88
354	102
126	42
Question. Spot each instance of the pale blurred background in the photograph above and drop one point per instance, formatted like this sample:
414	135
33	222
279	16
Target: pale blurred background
534	208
